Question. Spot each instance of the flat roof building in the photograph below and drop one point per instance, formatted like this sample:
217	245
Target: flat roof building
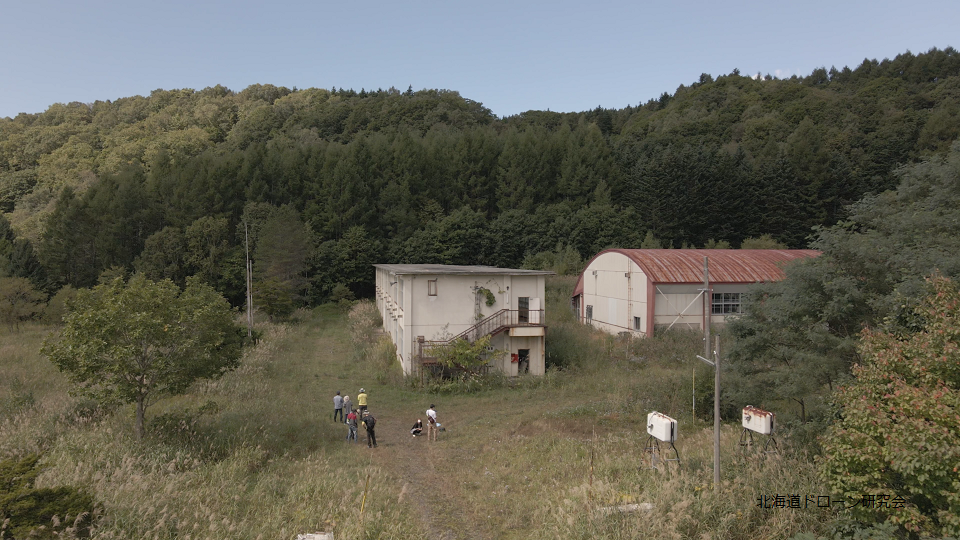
425	304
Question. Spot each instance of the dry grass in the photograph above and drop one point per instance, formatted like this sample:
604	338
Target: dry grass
254	455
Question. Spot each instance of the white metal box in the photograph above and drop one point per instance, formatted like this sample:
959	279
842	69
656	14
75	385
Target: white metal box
758	420
662	427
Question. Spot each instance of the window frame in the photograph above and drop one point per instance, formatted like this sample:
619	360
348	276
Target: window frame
726	303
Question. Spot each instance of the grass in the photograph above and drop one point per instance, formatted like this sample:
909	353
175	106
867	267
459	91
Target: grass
256	455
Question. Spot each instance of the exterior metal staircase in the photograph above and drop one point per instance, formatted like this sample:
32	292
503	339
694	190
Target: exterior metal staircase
489	326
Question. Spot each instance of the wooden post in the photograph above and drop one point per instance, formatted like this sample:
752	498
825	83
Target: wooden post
363	503
593	446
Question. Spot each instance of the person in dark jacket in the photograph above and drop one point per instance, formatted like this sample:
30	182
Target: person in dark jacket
417	428
370	423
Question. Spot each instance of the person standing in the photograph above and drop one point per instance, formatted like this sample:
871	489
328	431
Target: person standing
337	407
352	426
347	406
362	402
432	422
370	423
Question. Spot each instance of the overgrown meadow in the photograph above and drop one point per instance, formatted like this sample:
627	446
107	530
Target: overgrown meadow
256	455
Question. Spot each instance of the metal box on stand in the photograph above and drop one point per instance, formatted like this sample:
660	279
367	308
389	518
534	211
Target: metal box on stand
758	420
662	427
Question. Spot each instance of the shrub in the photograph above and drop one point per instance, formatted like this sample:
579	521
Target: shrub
58	305
40	512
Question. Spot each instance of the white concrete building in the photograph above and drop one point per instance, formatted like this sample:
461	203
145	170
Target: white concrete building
423	303
643	290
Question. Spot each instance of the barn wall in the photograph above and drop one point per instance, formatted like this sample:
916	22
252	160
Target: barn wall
616	288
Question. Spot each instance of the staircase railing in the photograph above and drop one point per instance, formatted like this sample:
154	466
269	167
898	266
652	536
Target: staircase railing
490	325
497	322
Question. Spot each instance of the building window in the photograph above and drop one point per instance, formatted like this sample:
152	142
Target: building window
589	313
431	287
636	323
726	304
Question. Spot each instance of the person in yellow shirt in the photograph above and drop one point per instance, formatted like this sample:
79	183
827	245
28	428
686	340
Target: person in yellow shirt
362	402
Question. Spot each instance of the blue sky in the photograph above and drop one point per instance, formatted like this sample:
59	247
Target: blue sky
512	56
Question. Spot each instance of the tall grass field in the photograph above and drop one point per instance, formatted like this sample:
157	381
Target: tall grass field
257	455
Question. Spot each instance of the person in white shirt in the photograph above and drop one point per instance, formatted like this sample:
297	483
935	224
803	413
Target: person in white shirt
432	422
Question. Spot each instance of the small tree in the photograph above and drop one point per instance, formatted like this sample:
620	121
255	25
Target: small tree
57	305
19	302
463	354
898	438
133	342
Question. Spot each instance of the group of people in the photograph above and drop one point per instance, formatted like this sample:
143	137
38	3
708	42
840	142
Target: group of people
432	425
361	416
355	418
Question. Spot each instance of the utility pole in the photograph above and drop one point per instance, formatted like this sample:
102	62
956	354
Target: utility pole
707	308
716	417
246	241
715	362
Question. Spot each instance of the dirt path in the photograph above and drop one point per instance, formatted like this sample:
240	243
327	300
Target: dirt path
415	461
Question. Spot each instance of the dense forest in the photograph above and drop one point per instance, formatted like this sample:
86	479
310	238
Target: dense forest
323	183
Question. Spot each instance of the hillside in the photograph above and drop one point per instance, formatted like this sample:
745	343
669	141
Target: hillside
430	176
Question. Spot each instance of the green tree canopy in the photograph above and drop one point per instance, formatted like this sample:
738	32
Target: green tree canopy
463	354
134	342
798	336
19	302
899	426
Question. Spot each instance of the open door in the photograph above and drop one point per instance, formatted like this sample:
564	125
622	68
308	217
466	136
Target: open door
535	312
524	361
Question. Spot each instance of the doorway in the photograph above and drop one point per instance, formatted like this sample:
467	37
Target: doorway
524	356
523	315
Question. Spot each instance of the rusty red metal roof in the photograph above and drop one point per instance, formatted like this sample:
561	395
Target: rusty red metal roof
725	265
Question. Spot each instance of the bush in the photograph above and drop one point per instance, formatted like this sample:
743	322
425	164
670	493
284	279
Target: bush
372	348
183	428
57	306
21	398
466	383
564	260
342	296
40	512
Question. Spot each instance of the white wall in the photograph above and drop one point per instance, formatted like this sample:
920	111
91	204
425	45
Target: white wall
454	309
606	287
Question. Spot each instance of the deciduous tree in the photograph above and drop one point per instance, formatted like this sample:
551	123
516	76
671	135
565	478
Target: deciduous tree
134	342
897	437
19	302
